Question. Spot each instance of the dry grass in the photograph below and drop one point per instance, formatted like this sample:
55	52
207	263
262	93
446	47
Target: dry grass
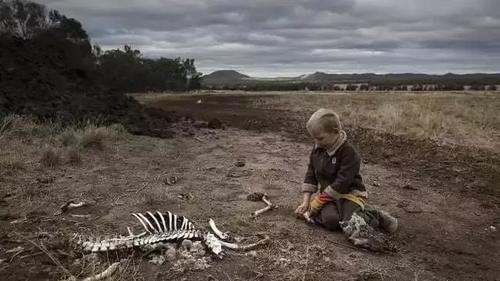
73	155
51	157
12	164
24	127
60	144
469	119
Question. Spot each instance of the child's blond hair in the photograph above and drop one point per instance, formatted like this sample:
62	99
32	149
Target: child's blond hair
327	119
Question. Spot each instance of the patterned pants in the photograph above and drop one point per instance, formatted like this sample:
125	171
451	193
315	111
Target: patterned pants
334	212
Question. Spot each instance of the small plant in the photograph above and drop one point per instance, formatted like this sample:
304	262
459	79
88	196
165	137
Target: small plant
12	165
93	137
68	137
50	157
74	156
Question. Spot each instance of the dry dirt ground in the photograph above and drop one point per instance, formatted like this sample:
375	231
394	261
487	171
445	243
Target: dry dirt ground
447	213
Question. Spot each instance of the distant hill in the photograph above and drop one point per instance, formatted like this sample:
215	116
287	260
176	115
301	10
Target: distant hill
474	78
230	79
223	77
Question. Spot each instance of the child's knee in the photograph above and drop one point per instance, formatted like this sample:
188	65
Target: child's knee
330	219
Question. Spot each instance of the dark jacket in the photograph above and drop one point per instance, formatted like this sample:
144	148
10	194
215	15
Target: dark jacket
340	170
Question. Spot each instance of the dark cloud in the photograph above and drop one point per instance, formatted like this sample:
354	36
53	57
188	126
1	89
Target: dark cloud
264	37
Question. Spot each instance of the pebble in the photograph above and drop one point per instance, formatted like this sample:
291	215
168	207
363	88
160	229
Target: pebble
171	254
409	186
187	244
240	163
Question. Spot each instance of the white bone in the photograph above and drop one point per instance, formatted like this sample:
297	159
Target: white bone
143	224
156	221
147	220
216	230
162	221
169	220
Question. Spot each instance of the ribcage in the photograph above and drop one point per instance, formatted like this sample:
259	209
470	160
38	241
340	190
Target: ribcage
159	227
163	223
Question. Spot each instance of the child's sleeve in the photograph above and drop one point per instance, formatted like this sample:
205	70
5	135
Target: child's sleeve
349	168
310	182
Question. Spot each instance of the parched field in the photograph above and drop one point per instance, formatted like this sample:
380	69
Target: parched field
439	177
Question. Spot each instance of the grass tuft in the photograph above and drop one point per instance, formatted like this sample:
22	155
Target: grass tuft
51	157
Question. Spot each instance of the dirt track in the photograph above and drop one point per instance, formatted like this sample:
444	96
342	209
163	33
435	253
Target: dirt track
445	233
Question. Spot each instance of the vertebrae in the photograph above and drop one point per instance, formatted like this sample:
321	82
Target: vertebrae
158	228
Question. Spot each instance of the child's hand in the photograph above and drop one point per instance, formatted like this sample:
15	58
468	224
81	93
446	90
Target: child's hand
302	208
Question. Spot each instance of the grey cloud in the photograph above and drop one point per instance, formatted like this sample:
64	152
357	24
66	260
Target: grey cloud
294	37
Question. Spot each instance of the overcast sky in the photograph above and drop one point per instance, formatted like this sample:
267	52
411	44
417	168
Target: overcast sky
288	38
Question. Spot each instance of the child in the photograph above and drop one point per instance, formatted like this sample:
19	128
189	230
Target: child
334	167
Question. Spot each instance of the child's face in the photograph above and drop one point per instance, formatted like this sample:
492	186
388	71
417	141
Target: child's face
323	139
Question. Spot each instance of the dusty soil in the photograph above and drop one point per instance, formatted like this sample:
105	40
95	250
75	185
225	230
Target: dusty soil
446	209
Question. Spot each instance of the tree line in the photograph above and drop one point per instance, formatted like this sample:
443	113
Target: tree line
47	59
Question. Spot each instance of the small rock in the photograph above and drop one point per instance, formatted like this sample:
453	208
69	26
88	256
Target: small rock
215	124
409	186
376	183
187	244
198	248
252	254
158	260
413	209
403	204
492	228
240	163
171	254
171	180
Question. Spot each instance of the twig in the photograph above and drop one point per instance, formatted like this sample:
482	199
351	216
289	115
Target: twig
227	275
42	248
144	185
105	274
30	255
345	245
16	254
81	216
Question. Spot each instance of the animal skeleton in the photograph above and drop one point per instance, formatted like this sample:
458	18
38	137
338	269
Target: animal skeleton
164	227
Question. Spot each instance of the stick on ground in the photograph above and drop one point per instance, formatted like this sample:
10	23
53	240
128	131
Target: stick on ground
105	274
42	248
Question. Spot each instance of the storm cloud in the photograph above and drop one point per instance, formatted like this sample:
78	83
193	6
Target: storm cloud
288	38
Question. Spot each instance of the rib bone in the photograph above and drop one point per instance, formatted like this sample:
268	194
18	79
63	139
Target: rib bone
220	234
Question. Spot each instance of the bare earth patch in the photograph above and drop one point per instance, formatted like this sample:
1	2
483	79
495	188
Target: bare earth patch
444	234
